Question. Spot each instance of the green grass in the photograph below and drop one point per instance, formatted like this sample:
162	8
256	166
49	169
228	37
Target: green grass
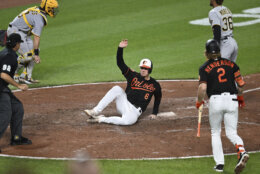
176	166
80	44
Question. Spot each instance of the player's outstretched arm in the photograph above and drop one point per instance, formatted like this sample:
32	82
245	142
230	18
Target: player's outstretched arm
120	61
123	43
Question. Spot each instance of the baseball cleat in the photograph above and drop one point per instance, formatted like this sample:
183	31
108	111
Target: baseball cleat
90	112
31	80
20	140
219	168
94	119
241	164
23	80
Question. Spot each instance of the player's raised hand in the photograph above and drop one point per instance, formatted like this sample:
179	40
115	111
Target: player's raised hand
123	43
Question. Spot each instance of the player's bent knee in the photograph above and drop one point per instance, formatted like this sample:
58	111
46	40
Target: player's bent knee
118	89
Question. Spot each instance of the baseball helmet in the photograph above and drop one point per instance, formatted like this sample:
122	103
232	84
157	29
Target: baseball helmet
219	2
146	63
212	46
13	39
50	7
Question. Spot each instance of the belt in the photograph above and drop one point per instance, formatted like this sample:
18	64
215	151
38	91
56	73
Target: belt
226	37
26	32
138	108
224	93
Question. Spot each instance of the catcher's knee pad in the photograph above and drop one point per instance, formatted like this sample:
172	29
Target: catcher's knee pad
25	58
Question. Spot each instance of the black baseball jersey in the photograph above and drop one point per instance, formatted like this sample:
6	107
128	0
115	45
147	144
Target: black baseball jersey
220	75
139	91
8	65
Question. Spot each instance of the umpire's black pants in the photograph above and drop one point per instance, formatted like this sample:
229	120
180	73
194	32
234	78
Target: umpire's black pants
11	111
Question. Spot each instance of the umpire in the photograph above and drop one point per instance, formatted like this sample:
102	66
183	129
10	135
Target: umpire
11	109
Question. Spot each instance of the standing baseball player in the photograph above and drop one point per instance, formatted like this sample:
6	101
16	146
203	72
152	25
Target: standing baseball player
220	18
221	80
134	100
11	109
29	23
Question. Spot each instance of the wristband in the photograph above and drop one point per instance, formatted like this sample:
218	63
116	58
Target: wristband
36	52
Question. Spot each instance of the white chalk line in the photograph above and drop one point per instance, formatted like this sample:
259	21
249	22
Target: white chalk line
122	159
100	83
250	90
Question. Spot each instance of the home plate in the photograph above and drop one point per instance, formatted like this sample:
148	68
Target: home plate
166	114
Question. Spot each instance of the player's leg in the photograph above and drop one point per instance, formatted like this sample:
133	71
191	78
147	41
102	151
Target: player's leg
111	95
215	119
17	122
226	48
30	64
26	57
17	116
129	113
231	120
233	56
5	112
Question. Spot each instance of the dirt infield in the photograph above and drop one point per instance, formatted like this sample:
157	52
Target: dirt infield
56	124
14	3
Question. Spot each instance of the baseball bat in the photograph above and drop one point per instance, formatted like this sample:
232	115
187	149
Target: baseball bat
199	119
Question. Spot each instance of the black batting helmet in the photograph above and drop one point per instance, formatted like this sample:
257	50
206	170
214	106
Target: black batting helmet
212	46
219	2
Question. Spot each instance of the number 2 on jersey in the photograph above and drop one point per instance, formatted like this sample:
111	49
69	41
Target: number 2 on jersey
221	72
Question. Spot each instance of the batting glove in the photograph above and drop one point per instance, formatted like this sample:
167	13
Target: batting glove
199	103
241	101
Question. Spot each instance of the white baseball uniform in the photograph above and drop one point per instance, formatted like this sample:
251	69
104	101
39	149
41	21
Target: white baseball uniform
31	21
221	77
128	111
222	16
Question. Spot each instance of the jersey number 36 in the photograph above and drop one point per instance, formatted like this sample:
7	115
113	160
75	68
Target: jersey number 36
228	23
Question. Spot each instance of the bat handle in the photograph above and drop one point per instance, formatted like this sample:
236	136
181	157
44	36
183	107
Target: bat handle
198	133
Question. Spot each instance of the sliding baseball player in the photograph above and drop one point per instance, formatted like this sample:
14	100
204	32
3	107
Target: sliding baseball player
132	101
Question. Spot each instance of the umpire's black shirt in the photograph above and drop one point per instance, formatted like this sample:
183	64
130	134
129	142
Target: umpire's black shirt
8	65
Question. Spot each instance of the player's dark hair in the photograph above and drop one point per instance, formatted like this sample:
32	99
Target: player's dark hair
212	56
10	44
219	2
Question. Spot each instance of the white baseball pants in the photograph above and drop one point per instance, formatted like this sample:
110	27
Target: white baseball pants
128	111
25	48
222	106
229	49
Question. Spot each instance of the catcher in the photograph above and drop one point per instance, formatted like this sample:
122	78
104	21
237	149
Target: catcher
29	23
134	100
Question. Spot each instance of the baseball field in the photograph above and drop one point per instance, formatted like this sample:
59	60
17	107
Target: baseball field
79	46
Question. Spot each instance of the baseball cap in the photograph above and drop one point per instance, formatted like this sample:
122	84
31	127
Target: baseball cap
14	38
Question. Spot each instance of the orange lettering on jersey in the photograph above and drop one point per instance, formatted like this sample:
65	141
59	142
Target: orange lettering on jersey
218	64
135	84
